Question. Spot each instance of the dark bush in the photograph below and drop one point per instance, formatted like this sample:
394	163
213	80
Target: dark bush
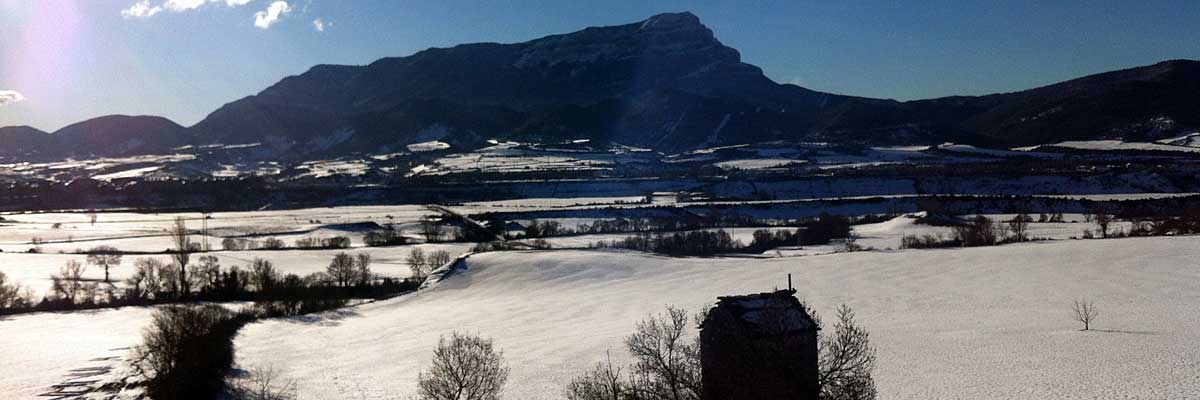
823	229
927	241
384	238
186	351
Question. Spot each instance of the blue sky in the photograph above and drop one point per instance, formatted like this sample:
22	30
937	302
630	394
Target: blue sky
62	61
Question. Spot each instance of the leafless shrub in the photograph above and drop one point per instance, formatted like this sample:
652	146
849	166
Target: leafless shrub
231	244
979	231
69	285
272	244
1085	311
11	295
465	367
601	383
185	351
439	258
1019	226
851	243
261	384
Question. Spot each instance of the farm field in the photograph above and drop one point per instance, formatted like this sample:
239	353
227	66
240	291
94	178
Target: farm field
983	323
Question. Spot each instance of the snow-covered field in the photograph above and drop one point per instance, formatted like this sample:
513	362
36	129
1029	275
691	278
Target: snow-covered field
980	323
136	232
44	349
1122	145
986	323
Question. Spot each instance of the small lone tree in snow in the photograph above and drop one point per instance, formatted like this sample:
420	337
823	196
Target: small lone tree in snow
1085	312
1019	226
465	367
104	256
1102	218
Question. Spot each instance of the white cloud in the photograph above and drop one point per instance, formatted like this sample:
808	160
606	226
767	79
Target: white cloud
141	9
320	25
264	19
10	96
183	5
144	8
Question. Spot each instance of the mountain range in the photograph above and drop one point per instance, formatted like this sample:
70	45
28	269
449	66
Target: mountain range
665	83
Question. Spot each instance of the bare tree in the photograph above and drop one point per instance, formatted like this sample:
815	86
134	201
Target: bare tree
261	384
181	254
465	367
104	256
416	262
205	275
431	230
846	360
1085	311
69	285
978	231
602	383
11	295
851	243
1019	226
1100	216
231	244
668	366
263	275
145	280
362	269
438	259
341	269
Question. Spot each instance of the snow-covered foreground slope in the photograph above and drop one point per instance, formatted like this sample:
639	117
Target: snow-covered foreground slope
44	349
982	323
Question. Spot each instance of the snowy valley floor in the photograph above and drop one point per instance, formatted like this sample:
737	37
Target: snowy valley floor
982	323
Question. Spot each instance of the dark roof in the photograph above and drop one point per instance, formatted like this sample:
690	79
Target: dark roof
769	314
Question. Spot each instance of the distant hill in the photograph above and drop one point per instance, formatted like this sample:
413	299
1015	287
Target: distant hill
119	135
665	83
114	135
23	141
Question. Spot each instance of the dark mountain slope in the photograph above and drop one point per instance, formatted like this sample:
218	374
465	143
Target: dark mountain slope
665	82
24	141
119	135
